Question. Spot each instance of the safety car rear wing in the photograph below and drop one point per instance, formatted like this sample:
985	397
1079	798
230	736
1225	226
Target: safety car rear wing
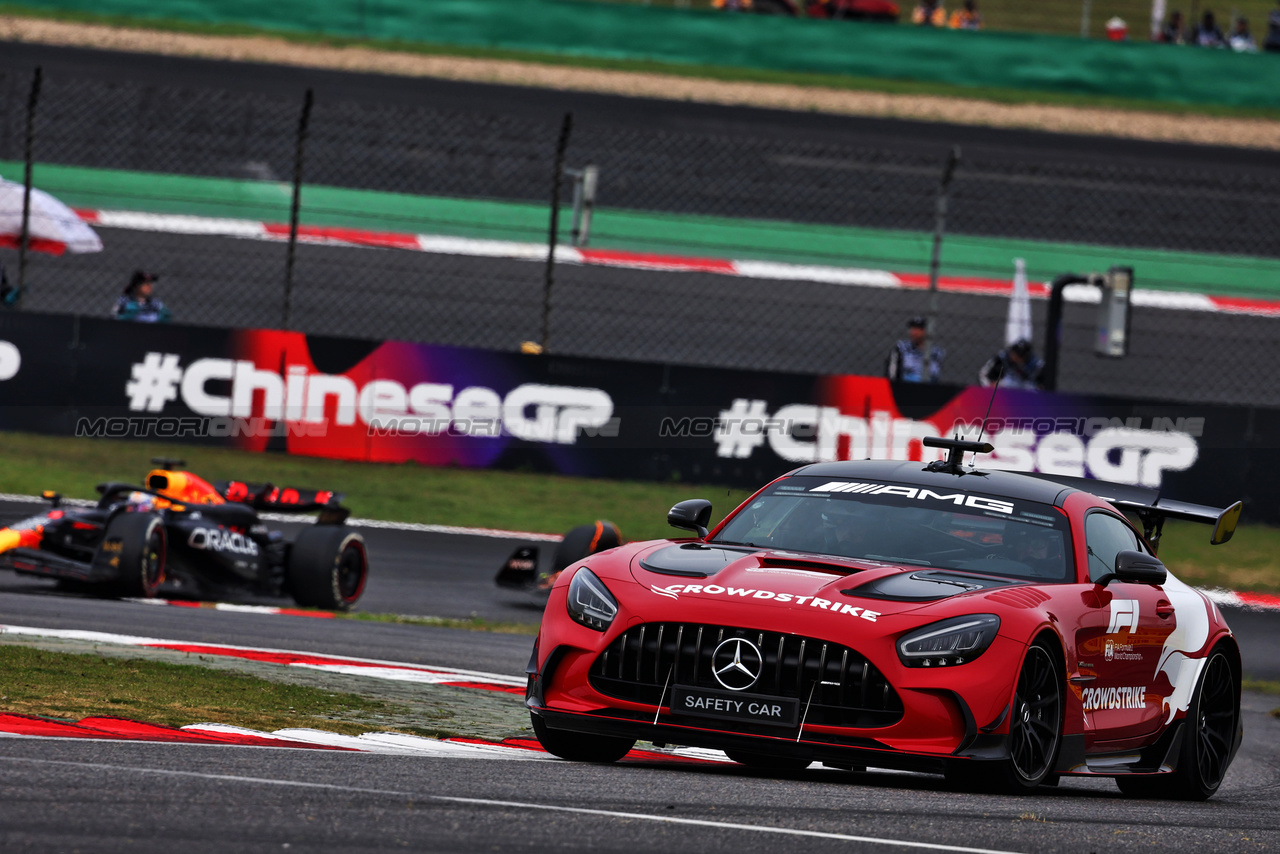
1151	509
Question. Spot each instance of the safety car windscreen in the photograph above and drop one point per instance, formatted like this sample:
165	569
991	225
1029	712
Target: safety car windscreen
907	525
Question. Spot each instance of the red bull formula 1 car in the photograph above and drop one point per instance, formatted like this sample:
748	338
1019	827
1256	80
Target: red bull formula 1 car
203	538
1003	629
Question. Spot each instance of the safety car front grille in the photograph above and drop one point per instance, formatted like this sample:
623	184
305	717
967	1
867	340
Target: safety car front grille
838	686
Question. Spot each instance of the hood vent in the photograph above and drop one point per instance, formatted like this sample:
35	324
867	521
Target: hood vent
831	567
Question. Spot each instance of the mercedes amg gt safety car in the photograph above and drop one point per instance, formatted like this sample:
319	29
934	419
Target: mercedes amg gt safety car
204	539
1003	629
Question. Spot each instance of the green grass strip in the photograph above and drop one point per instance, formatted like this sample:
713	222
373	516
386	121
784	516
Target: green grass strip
645	231
731	74
1007	67
71	686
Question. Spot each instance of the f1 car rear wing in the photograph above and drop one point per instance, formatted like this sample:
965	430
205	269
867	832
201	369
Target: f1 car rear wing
262	497
265	496
1149	507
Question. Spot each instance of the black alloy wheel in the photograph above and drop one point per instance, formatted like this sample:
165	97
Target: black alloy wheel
1208	739
1215	722
1035	732
1035	727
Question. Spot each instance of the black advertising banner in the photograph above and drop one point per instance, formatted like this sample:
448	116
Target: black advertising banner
393	401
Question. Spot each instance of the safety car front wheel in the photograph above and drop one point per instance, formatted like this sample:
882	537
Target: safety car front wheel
580	746
1035	730
327	568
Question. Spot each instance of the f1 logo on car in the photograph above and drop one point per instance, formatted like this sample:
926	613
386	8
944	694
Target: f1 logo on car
1124	615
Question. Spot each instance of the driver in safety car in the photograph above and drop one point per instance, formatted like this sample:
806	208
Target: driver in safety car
1039	549
845	526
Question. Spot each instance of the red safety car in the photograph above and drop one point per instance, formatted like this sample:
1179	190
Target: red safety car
1004	629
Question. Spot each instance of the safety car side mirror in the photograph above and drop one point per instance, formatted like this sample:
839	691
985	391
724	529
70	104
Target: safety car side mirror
1139	568
693	514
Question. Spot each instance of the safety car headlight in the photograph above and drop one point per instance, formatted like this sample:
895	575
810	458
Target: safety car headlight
590	602
949	642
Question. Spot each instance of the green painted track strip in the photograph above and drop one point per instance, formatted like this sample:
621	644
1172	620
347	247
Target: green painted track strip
642	231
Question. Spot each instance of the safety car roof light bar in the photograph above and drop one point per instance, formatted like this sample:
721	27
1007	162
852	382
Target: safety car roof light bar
956	449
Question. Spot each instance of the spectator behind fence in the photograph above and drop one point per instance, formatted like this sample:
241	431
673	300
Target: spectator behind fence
907	361
1241	40
929	13
1207	34
1173	31
138	301
1016	366
967	17
1273	30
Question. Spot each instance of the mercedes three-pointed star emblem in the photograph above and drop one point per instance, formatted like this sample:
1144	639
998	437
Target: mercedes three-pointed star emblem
737	664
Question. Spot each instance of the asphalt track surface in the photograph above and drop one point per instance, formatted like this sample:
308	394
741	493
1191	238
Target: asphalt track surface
94	796
1019	183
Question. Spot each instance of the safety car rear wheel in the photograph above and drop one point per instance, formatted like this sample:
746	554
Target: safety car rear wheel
140	560
580	746
1208	735
327	568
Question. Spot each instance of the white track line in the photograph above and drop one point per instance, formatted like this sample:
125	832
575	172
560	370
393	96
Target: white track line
520	805
745	268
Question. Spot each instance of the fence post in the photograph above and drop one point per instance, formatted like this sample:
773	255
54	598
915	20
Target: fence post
1053	328
935	259
557	176
298	152
25	236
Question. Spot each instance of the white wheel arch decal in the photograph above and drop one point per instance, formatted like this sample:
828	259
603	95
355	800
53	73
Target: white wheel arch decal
1184	655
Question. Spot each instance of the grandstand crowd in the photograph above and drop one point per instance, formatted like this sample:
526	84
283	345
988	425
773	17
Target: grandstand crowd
933	13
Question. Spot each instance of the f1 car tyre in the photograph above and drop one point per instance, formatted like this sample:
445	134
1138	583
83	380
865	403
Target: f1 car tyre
585	540
143	544
580	747
1207	737
765	762
1035	731
327	568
